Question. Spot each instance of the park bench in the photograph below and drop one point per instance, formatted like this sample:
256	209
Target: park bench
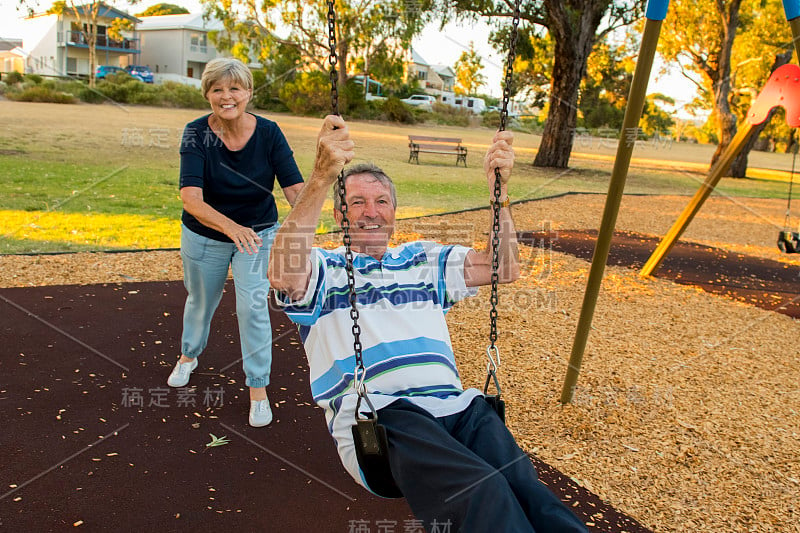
436	145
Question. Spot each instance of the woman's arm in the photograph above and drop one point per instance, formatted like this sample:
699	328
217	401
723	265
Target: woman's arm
245	239
292	192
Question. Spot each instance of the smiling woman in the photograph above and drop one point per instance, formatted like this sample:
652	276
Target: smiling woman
230	161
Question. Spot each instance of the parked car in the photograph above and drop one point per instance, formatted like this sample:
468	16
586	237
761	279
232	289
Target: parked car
423	101
140	73
106	70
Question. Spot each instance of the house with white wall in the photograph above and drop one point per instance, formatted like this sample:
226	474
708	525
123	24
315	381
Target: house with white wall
55	44
177	47
12	56
437	80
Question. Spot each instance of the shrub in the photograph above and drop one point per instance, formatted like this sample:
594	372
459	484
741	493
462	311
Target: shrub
120	88
396	111
265	94
38	93
148	95
179	95
35	78
491	119
450	115
308	94
90	96
12	77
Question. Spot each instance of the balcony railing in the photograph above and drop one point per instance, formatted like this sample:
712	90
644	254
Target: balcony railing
79	39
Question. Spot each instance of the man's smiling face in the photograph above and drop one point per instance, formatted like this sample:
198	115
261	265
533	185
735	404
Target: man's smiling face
370	212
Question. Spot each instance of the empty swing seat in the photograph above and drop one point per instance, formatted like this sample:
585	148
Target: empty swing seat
789	242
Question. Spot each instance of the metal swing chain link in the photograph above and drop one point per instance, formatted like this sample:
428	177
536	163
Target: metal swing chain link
788	220
360	371
492	352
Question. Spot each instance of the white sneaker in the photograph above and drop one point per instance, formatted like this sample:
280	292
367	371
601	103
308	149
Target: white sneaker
180	374
260	413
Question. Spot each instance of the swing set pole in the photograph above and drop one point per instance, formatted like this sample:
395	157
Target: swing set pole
655	14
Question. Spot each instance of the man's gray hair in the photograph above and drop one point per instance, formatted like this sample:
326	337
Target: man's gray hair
364	168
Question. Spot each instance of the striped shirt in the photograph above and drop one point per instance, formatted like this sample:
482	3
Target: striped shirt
402	302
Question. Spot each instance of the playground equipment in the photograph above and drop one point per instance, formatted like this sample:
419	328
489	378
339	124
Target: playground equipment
369	435
782	89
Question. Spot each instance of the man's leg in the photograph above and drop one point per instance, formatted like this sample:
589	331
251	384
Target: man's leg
481	430
444	482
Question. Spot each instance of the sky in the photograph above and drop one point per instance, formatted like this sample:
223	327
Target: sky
434	45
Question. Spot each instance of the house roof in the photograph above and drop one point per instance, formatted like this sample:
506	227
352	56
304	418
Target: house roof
418	59
187	21
104	11
9	44
444	71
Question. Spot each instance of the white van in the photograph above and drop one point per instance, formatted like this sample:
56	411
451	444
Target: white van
424	101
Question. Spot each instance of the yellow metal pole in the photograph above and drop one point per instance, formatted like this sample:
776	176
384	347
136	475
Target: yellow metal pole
699	198
628	135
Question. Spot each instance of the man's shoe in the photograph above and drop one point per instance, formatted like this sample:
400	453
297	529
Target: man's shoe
180	374
260	413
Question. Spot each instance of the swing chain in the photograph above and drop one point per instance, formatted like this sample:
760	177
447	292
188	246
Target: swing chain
512	54
787	220
332	58
360	371
494	361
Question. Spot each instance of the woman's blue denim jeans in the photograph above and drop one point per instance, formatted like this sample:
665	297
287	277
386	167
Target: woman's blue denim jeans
205	269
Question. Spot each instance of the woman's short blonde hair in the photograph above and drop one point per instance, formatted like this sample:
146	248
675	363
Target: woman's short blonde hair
226	68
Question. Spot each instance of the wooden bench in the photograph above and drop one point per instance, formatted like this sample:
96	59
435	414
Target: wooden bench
436	145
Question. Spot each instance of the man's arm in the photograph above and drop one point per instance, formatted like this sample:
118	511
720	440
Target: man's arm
289	260
478	265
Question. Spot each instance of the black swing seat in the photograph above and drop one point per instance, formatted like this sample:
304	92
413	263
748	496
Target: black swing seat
789	242
372	451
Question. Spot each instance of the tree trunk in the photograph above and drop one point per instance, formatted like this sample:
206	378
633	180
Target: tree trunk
739	165
573	25
342	51
562	117
721	79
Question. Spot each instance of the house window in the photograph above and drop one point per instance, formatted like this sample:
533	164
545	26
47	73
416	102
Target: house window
422	75
72	65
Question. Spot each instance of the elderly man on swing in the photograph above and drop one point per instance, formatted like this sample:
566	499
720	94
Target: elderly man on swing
449	452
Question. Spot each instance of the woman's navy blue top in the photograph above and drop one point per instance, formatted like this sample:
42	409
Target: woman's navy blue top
239	183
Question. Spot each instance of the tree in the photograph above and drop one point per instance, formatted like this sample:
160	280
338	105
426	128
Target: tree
701	36
604	90
163	9
87	15
363	26
468	72
574	26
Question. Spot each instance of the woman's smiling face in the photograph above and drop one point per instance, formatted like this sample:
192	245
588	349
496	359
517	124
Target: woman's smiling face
228	99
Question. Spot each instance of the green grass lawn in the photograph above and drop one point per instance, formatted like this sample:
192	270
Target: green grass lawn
94	177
